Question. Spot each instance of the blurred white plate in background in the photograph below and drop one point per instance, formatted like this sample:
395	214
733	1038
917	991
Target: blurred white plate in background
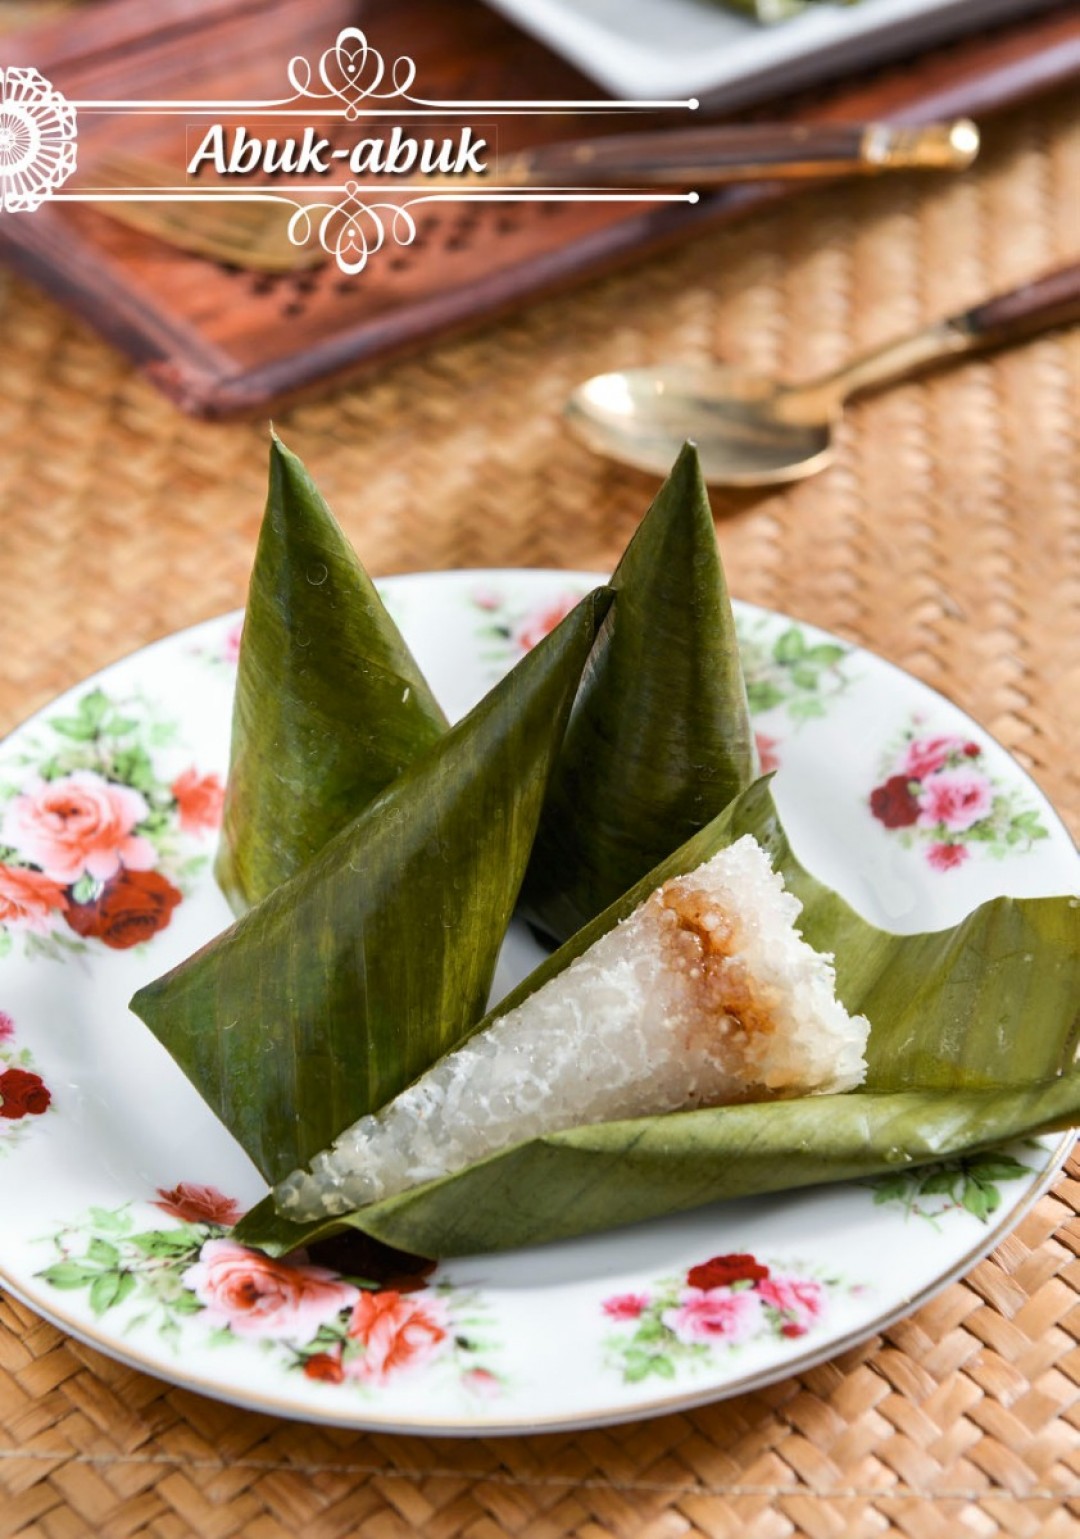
676	48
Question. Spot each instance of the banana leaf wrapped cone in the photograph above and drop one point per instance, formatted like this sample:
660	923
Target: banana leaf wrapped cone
660	739
329	997
330	706
973	1041
704	995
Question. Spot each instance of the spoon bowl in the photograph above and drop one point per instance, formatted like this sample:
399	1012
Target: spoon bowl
748	431
751	431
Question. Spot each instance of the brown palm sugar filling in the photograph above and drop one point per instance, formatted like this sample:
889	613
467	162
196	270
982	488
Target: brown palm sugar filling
729	1014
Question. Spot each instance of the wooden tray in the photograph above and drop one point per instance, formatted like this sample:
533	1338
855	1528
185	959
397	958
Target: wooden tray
220	341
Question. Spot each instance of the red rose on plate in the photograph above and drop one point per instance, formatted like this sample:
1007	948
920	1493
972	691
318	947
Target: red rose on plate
194	1204
131	908
946	857
626	1306
926	755
199	800
893	803
395	1332
28	898
720	1271
325	1367
768	755
22	1094
542	622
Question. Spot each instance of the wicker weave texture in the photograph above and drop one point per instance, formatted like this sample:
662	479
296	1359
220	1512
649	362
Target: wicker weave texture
946	537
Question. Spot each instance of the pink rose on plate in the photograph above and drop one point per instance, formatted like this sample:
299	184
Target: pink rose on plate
230	647
801	1300
81	823
7	1027
29	899
626	1306
482	1382
957	797
488	599
946	857
715	1314
256	1296
396	1331
199	800
768	752
539	624
926	755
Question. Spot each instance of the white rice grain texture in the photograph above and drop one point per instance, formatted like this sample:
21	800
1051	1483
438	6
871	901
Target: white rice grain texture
705	995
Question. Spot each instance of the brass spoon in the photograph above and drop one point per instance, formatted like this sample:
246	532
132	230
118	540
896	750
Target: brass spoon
750	431
253	236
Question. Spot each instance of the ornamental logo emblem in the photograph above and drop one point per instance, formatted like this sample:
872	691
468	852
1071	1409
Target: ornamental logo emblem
350	81
37	140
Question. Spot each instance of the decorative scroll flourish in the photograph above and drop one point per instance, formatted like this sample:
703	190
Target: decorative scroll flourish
353	71
350	79
351	231
37	140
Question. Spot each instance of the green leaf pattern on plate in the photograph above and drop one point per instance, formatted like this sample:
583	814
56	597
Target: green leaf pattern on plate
967	1185
788	671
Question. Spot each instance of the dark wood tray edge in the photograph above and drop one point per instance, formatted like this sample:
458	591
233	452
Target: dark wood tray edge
999	70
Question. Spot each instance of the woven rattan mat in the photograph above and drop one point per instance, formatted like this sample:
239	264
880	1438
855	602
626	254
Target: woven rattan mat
946	537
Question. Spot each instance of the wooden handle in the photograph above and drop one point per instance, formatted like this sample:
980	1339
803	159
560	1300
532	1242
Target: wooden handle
1046	302
1042	304
712	156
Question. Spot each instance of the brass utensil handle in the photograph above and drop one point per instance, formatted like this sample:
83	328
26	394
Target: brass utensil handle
1046	302
1038	306
714	155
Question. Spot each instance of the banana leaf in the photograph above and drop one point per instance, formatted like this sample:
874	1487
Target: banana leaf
329	997
767	11
973	1042
616	1173
660	739
330	705
772	11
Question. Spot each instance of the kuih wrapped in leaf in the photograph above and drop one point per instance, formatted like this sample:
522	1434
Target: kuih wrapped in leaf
704	995
330	706
323	1002
972	1041
660	739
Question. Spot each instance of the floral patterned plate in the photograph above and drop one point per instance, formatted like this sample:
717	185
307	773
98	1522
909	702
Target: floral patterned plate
117	1185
